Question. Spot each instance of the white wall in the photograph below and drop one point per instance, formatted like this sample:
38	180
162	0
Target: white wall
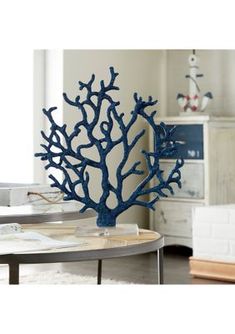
140	71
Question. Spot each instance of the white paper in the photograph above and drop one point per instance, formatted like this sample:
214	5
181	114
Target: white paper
30	241
10	228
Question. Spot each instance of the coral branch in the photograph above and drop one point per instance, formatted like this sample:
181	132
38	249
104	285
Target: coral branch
62	151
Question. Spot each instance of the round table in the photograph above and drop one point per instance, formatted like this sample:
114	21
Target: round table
91	248
88	248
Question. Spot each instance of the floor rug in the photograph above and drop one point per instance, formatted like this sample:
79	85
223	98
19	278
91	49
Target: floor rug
56	277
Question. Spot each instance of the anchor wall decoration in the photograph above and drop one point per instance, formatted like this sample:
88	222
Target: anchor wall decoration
193	103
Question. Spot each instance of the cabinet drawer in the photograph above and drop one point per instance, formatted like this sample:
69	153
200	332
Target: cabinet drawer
174	218
192	180
190	138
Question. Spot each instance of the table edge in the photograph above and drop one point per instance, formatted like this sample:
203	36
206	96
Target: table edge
85	255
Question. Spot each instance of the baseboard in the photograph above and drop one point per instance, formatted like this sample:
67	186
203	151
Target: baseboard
222	271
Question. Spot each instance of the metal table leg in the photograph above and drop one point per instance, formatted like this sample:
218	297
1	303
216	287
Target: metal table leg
14	273
99	273
160	266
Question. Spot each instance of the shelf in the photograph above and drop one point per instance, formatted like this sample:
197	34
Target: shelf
186	161
184	119
193	119
188	200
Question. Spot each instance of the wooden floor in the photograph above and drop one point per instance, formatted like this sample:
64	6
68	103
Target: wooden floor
142	269
137	269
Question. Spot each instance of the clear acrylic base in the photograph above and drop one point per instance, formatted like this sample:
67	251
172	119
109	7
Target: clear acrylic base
86	229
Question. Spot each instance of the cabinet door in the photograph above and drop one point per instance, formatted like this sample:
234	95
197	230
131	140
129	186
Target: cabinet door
192	180
190	141
174	218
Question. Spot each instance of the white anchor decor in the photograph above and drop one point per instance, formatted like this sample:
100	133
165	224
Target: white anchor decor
192	103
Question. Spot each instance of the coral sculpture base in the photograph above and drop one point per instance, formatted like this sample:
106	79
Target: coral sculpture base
92	230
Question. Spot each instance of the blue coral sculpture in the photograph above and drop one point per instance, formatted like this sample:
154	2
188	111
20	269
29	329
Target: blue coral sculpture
60	153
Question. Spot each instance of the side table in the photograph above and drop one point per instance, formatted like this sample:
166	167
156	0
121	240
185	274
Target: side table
36	218
90	248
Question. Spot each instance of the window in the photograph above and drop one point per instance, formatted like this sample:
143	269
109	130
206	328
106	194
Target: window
29	80
16	116
48	89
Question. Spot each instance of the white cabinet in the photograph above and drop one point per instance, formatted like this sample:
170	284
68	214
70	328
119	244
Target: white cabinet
208	175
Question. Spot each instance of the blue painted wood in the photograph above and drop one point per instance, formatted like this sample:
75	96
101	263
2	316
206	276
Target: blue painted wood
189	141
